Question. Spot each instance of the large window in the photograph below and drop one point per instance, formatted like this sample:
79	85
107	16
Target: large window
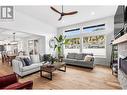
73	36
94	41
88	41
94	28
74	43
72	32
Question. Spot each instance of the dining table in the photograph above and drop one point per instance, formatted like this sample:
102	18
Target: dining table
11	57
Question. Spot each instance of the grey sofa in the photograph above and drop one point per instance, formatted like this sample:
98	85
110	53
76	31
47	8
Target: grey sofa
77	59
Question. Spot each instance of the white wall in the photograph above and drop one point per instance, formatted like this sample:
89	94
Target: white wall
28	24
109	24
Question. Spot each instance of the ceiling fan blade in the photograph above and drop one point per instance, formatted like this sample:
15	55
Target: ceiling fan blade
60	18
55	10
71	13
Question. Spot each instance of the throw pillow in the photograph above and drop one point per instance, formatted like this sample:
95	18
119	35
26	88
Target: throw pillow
29	60
23	62
84	54
26	60
88	58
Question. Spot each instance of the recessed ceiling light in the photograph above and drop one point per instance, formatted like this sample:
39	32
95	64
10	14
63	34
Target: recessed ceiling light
92	13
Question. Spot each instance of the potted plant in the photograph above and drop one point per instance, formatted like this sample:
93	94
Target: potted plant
60	41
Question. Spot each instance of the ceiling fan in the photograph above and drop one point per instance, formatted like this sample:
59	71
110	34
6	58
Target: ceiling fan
63	13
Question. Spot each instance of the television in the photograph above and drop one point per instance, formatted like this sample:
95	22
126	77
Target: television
119	21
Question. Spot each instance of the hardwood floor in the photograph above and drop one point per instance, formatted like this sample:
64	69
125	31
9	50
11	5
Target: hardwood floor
74	78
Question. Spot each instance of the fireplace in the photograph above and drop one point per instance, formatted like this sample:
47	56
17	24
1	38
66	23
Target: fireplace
122	63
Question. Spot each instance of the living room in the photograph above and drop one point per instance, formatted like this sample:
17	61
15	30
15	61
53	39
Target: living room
80	43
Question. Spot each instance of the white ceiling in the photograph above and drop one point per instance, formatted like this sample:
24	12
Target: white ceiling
85	13
8	34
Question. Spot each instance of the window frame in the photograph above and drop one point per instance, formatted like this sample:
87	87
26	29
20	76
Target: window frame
69	30
99	25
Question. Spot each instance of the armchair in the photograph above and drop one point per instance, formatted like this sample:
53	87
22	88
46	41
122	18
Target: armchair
9	82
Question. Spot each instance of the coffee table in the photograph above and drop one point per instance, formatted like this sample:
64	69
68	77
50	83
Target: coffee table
50	68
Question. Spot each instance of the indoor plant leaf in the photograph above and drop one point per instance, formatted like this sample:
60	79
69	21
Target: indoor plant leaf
57	39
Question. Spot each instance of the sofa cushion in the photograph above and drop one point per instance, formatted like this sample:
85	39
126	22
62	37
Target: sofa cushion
13	86
79	61
69	60
84	54
35	58
27	61
71	55
78	56
31	67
